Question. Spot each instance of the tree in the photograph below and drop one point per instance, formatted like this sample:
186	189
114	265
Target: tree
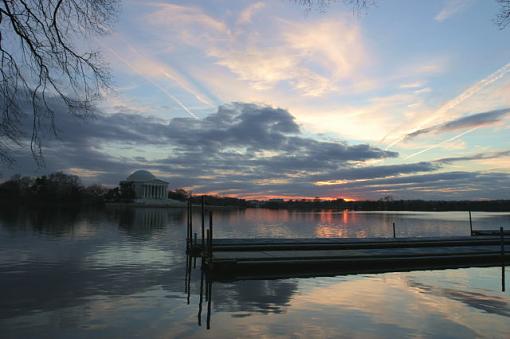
503	18
127	191
41	62
357	5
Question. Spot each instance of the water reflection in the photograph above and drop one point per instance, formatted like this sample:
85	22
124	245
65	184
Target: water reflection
144	222
123	273
481	301
240	298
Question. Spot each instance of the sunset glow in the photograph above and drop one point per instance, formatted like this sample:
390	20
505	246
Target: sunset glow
270	100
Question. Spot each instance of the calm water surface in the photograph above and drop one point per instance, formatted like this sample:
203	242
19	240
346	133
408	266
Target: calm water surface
120	273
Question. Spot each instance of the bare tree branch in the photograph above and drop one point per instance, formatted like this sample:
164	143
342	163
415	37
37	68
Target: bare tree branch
357	5
39	59
503	18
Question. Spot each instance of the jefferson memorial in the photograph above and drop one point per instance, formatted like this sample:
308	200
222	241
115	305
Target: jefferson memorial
147	187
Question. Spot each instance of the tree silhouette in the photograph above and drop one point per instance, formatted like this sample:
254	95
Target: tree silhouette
44	62
357	5
503	18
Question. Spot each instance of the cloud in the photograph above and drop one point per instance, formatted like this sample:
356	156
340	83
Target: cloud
441	112
185	16
371	172
478	156
451	8
451	185
471	121
245	142
312	57
248	150
247	14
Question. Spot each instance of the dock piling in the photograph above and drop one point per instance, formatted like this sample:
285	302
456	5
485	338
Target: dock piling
210	234
208	240
502	235
203	222
201	298
209	292
470	223
502	240
394	234
190	220
187	227
188	282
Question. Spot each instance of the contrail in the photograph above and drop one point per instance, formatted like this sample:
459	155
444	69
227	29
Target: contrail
161	88
442	143
466	94
183	85
180	82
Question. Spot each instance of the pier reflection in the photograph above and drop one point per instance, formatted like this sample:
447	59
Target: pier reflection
348	294
242	297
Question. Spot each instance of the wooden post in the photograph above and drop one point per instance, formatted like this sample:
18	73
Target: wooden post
201	298
209	288
394	234
503	277
203	222
502	236
470	223
206	289
187	226
210	235
208	240
190	220
193	249
188	285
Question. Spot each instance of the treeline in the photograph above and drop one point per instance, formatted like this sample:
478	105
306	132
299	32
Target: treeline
392	205
215	200
53	188
61	188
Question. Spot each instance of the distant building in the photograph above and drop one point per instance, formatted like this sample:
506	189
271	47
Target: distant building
145	187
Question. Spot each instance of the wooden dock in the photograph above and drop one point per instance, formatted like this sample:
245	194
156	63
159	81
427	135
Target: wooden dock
278	258
271	258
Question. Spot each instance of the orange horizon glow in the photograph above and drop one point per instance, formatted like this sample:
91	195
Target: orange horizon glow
269	197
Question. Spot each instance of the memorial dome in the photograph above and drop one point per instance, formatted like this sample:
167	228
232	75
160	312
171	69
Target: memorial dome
141	175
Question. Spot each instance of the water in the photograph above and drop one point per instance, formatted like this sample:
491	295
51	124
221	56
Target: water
68	273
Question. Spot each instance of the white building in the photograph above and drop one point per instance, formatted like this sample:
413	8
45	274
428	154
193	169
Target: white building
146	187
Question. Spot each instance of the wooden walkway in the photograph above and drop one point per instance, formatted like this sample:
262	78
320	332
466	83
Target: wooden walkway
272	258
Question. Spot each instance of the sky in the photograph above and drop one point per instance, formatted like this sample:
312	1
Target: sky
264	99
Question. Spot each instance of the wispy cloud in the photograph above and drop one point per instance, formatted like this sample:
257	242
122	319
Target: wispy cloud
312	57
183	15
155	84
451	8
441	112
247	14
478	156
474	120
431	147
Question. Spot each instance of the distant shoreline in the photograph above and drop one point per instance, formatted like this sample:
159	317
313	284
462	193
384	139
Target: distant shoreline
359	206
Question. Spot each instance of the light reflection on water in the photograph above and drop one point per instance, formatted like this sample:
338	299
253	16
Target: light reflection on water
120	273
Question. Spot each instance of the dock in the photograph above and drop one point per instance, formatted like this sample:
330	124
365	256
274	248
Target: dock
277	258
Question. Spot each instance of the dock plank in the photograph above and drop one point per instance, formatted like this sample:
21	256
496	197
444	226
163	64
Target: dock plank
274	257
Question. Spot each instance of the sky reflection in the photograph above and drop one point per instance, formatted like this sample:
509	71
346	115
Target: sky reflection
116	273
